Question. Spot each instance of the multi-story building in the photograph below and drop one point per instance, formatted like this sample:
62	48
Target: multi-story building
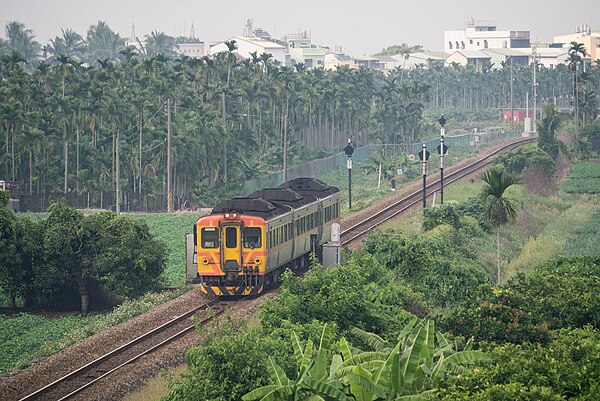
300	50
479	35
584	35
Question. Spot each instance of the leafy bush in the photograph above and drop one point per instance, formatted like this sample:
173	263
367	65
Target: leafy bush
562	293
230	363
567	368
589	134
527	156
342	295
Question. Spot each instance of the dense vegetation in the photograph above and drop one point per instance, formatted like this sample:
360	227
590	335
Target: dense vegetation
46	262
63	116
383	290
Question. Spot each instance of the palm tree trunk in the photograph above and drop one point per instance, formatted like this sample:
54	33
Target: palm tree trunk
498	252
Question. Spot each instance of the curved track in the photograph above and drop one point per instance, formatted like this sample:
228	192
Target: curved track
357	231
78	380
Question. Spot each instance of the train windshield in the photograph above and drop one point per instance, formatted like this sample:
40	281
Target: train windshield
252	237
210	237
231	237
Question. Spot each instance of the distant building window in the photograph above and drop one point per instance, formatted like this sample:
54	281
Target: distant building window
457	45
470	41
450	45
504	44
485	44
477	43
462	45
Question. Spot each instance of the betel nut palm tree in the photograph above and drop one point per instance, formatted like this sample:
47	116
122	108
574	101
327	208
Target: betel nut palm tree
499	209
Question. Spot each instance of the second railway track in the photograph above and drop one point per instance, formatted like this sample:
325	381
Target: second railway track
360	229
78	380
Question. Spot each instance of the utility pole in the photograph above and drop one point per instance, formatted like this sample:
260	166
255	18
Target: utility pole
534	128
169	189
285	149
512	108
140	161
118	178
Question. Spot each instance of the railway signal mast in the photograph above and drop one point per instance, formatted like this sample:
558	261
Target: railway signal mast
349	149
424	156
442	151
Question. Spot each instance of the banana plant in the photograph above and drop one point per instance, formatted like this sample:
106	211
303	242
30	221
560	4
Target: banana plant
402	372
311	383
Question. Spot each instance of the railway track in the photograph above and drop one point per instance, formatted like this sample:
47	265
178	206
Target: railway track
85	376
357	231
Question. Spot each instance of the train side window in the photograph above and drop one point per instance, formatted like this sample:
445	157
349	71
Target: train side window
209	237
252	237
231	237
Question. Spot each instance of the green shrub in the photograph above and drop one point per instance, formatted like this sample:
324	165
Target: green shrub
230	363
343	295
567	368
527	156
561	293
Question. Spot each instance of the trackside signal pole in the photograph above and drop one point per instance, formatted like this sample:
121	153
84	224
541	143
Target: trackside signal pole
442	151
349	149
169	189
424	156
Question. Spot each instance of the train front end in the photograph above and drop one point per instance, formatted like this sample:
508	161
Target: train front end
231	254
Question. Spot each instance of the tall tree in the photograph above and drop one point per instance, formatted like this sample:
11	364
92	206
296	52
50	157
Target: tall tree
577	53
499	209
22	40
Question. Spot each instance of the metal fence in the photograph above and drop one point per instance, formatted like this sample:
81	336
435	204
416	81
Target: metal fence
99	200
315	168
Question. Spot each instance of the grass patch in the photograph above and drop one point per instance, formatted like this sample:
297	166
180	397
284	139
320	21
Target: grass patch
552	241
171	229
156	387
25	337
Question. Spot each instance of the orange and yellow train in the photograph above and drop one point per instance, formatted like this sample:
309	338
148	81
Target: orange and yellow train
245	244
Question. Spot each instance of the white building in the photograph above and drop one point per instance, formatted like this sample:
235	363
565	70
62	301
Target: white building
474	58
193	50
585	35
301	50
479	35
246	46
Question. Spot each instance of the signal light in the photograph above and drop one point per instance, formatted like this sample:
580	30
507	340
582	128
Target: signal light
230	215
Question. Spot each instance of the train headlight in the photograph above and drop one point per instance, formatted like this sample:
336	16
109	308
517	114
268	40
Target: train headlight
205	261
257	261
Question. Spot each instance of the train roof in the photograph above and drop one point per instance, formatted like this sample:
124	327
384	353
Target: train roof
310	186
272	202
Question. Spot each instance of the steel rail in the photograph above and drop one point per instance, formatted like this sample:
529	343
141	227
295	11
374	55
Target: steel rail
122	348
407	202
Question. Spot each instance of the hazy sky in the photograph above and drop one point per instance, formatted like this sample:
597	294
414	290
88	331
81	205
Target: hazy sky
357	26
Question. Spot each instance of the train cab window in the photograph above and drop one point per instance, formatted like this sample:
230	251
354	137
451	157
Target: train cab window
231	237
209	237
252	237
